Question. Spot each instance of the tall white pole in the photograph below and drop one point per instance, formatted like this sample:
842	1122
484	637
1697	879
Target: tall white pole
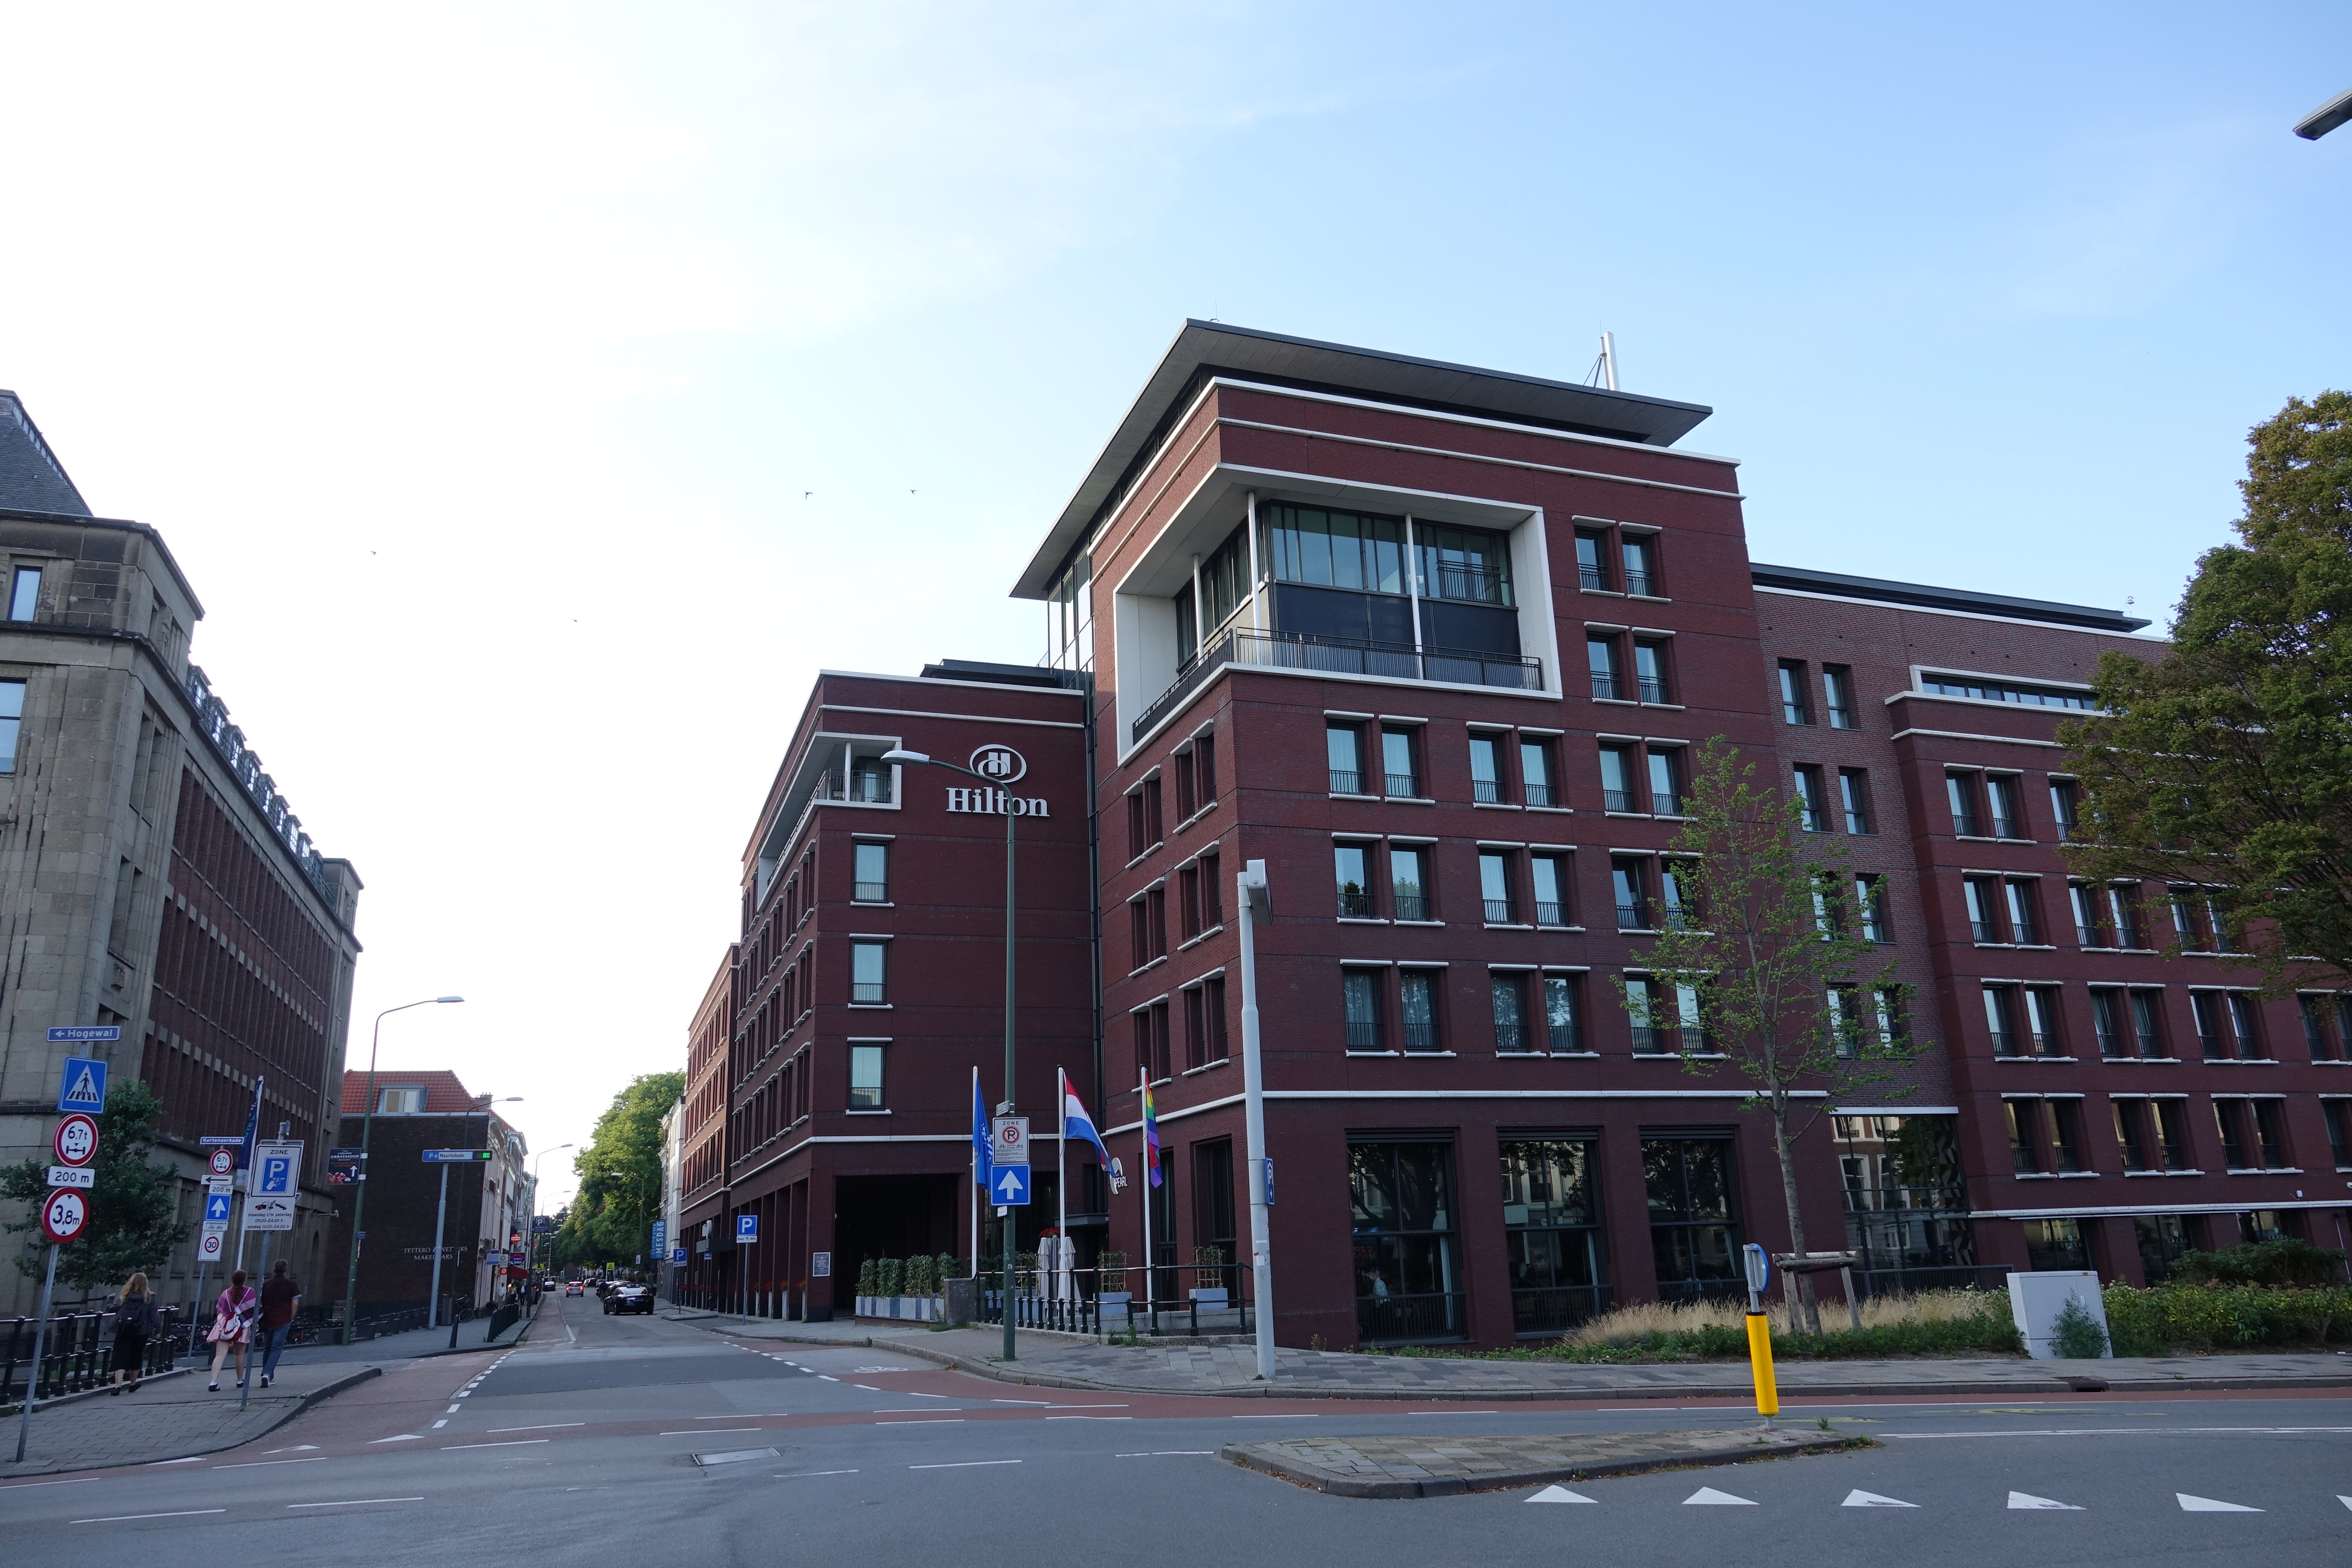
1250	889
975	1187
1061	1255
1143	1093
440	1216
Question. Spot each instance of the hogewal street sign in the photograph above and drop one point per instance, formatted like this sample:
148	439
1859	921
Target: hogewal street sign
81	1085
93	1034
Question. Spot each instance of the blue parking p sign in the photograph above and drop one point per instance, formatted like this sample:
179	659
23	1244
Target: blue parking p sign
82	1086
746	1229
677	1254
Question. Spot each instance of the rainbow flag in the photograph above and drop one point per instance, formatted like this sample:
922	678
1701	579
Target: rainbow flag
1150	1136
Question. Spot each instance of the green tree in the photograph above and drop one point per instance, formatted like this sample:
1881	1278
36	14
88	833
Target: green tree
1762	955
133	1224
2227	762
620	1170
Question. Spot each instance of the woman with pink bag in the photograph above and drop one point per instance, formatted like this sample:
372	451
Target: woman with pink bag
233	1318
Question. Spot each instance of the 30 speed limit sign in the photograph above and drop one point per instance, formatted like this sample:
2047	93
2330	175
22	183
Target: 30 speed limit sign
208	1247
64	1213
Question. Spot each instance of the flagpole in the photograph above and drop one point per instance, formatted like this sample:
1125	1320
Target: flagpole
1062	1190
975	1186
1143	1101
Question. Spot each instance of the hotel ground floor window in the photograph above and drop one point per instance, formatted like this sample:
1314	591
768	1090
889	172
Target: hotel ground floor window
2270	1224
1551	1218
1213	1218
1905	1205
1693	1218
1408	1272
2163	1239
2055	1244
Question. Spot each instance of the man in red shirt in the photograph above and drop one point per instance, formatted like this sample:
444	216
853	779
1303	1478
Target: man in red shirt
281	1296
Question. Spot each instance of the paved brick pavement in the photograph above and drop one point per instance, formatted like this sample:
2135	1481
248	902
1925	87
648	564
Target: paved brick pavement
1424	1465
1068	1361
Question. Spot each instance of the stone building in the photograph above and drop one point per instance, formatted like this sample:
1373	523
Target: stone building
151	877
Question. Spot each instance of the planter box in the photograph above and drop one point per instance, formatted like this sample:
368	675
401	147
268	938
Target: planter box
1212	1301
905	1309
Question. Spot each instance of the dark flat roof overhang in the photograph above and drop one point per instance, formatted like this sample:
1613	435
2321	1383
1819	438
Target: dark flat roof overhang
1204	348
1838	585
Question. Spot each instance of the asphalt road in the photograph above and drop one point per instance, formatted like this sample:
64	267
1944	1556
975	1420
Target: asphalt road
586	1439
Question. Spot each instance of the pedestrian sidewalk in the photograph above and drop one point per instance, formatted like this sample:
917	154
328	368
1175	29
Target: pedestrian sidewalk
174	1416
1067	1361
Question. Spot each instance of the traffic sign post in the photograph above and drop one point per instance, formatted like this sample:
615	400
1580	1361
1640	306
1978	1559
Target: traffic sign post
221	1162
276	1174
1758	1265
746	1229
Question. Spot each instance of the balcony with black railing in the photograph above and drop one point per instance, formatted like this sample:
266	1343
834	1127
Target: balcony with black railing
1605	687
1363	1034
1401	787
1633	917
1420	1040
1540	794
1654	690
1551	914
871	893
1355	902
1639	582
1338	656
1511	1040
1618	800
1487	791
1567	1035
1411	906
1498	912
1347	783
1665	805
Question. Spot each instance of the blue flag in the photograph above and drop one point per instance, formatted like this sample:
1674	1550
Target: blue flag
982	1142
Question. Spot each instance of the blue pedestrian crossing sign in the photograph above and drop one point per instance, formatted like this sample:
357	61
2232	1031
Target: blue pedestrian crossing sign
82	1086
216	1208
1008	1186
746	1229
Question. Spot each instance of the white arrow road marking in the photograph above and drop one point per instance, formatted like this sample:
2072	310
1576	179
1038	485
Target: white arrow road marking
2346	1501
2210	1505
2027	1499
1559	1494
1859	1499
1707	1497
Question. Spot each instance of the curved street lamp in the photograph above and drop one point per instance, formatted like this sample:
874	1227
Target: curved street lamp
367	1125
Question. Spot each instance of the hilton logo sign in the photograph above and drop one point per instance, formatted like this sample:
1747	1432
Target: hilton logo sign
1004	765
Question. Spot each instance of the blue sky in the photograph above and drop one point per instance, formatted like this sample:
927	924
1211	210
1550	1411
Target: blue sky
539	394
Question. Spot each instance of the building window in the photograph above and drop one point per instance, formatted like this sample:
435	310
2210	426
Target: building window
1205	771
2231	1114
1510	1001
1155	903
1551	1222
1188	901
2246	1024
1469	563
1550	873
2207	1010
1487	769
2183	906
2314	1027
2147	1012
1591	569
1408	883
1345	744
865	1078
2339	1132
2085	905
2041	1021
2123	908
2001	1018
1601	658
1494	887
1535	773
1397	763
1984	909
2066	1132
2000	792
1212	1015
1212	892
1632	885
1186	791
1331	549
1870	903
1694	1225
2024	1150
1962	789
2106	1024
1837	685
403	1101
1641	555
1563	1015
1843	1018
2270	1133
24	594
1645	1016
1813	816
1796	702
1401	1216
1420	991
866	971
12	720
1938	685
1853	797
2163	1241
1665	782
873	874
2025	924
1650	671
2172	1132
1359	991
2055	1244
2131	1133
1617	779
1354	868
1893	1032
2063	805
1675	893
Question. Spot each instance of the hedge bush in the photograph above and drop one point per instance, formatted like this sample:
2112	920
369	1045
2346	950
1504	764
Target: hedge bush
2179	1316
2284	1261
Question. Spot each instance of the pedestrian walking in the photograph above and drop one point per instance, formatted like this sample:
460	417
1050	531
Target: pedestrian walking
280	1300
233	1315
138	1317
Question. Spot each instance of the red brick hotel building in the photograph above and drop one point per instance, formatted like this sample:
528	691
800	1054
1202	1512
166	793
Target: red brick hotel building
1434	642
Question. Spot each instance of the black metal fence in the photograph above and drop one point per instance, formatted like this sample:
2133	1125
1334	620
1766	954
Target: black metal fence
77	1351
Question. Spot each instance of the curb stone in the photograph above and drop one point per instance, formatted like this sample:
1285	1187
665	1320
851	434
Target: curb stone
1269	1460
11	1412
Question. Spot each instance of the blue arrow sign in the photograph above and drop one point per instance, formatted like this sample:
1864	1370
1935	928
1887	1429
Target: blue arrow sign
1009	1186
82	1085
216	1209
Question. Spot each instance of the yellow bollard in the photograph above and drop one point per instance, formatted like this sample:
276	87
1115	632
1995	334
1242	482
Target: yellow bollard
1759	1363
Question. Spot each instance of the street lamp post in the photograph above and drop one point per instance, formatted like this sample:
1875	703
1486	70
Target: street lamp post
904	757
1255	903
367	1125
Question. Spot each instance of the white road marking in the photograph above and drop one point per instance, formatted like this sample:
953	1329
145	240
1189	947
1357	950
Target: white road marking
451	1411
355	1502
542	1426
2027	1499
510	1443
1020	1402
119	1518
191	1459
78	1480
1120	1407
2346	1501
1707	1497
804	1475
1860	1498
963	1465
1089	1417
1560	1494
699	1431
1453	1413
297	1448
935	1421
403	1437
910	1410
1280	1415
867	1386
438	1424
2121	1431
2210	1505
828	1377
257	1464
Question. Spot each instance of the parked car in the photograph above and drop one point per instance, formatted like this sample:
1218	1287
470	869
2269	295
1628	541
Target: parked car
629	1299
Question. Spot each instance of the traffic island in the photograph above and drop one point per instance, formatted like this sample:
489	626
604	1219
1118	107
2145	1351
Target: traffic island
1419	1466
